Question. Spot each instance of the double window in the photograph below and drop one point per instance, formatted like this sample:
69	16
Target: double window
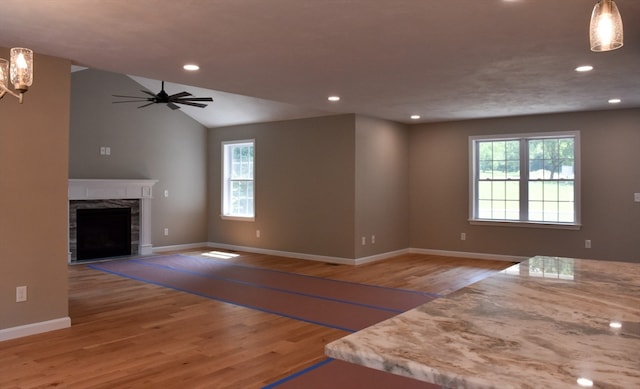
237	179
528	178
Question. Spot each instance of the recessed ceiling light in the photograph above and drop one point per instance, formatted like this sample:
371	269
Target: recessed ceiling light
191	67
415	117
584	68
614	101
334	98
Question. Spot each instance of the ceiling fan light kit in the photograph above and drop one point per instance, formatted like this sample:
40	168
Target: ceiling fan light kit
163	97
605	29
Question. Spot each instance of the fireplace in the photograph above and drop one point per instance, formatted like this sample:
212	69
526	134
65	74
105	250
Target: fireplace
103	232
101	218
118	212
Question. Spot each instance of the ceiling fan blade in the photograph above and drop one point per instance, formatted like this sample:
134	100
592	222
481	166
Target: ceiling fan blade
128	101
194	99
179	95
131	97
199	105
163	98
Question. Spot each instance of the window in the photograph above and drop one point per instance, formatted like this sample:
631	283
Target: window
529	178
237	179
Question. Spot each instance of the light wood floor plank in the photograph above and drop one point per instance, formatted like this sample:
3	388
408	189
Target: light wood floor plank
128	334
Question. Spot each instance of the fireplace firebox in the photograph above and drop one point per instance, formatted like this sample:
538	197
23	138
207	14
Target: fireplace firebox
103	232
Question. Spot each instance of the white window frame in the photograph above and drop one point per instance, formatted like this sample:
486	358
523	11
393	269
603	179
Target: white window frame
227	180
523	181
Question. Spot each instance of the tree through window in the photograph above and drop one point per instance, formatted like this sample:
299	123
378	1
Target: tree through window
531	178
237	177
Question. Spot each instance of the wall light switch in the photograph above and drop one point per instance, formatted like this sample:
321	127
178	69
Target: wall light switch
636	197
21	294
103	150
107	150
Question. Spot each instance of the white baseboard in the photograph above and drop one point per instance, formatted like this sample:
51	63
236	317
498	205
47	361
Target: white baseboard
348	261
379	257
186	246
287	254
465	254
34	328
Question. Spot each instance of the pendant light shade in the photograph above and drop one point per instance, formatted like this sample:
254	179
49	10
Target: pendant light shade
4	74
19	70
605	29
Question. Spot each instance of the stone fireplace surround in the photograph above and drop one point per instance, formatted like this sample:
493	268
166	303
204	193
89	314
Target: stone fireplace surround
109	193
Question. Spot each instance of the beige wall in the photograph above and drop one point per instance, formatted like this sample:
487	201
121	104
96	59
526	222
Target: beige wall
382	186
151	143
34	141
439	187
304	185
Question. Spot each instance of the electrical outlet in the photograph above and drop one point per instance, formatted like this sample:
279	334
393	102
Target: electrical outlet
166	232
364	240
257	233
463	236
373	239
21	294
587	244
166	193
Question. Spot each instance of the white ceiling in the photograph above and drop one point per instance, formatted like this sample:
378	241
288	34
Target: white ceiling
443	60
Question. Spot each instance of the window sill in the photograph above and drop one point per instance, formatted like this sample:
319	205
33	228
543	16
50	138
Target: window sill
515	223
238	218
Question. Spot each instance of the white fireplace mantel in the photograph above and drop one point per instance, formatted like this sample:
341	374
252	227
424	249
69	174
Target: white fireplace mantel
108	189
94	189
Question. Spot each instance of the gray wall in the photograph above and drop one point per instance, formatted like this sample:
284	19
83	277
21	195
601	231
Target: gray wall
439	188
382	186
304	185
152	143
34	140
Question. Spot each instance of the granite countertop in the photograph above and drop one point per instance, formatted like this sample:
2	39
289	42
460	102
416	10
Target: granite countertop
547	322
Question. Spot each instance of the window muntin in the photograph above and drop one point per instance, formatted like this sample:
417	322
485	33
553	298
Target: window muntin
238	179
529	178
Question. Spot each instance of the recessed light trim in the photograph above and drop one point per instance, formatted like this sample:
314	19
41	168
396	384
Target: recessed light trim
333	98
614	101
584	68
191	67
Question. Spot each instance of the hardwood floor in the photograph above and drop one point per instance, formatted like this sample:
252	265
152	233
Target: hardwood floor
128	334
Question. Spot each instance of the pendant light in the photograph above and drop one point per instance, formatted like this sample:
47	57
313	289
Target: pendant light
605	29
19	71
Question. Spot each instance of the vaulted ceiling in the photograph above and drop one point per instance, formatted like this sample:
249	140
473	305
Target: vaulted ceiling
442	60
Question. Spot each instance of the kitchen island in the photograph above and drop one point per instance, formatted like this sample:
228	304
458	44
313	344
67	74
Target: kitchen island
547	322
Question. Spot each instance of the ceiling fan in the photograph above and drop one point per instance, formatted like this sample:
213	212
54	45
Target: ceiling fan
163	97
